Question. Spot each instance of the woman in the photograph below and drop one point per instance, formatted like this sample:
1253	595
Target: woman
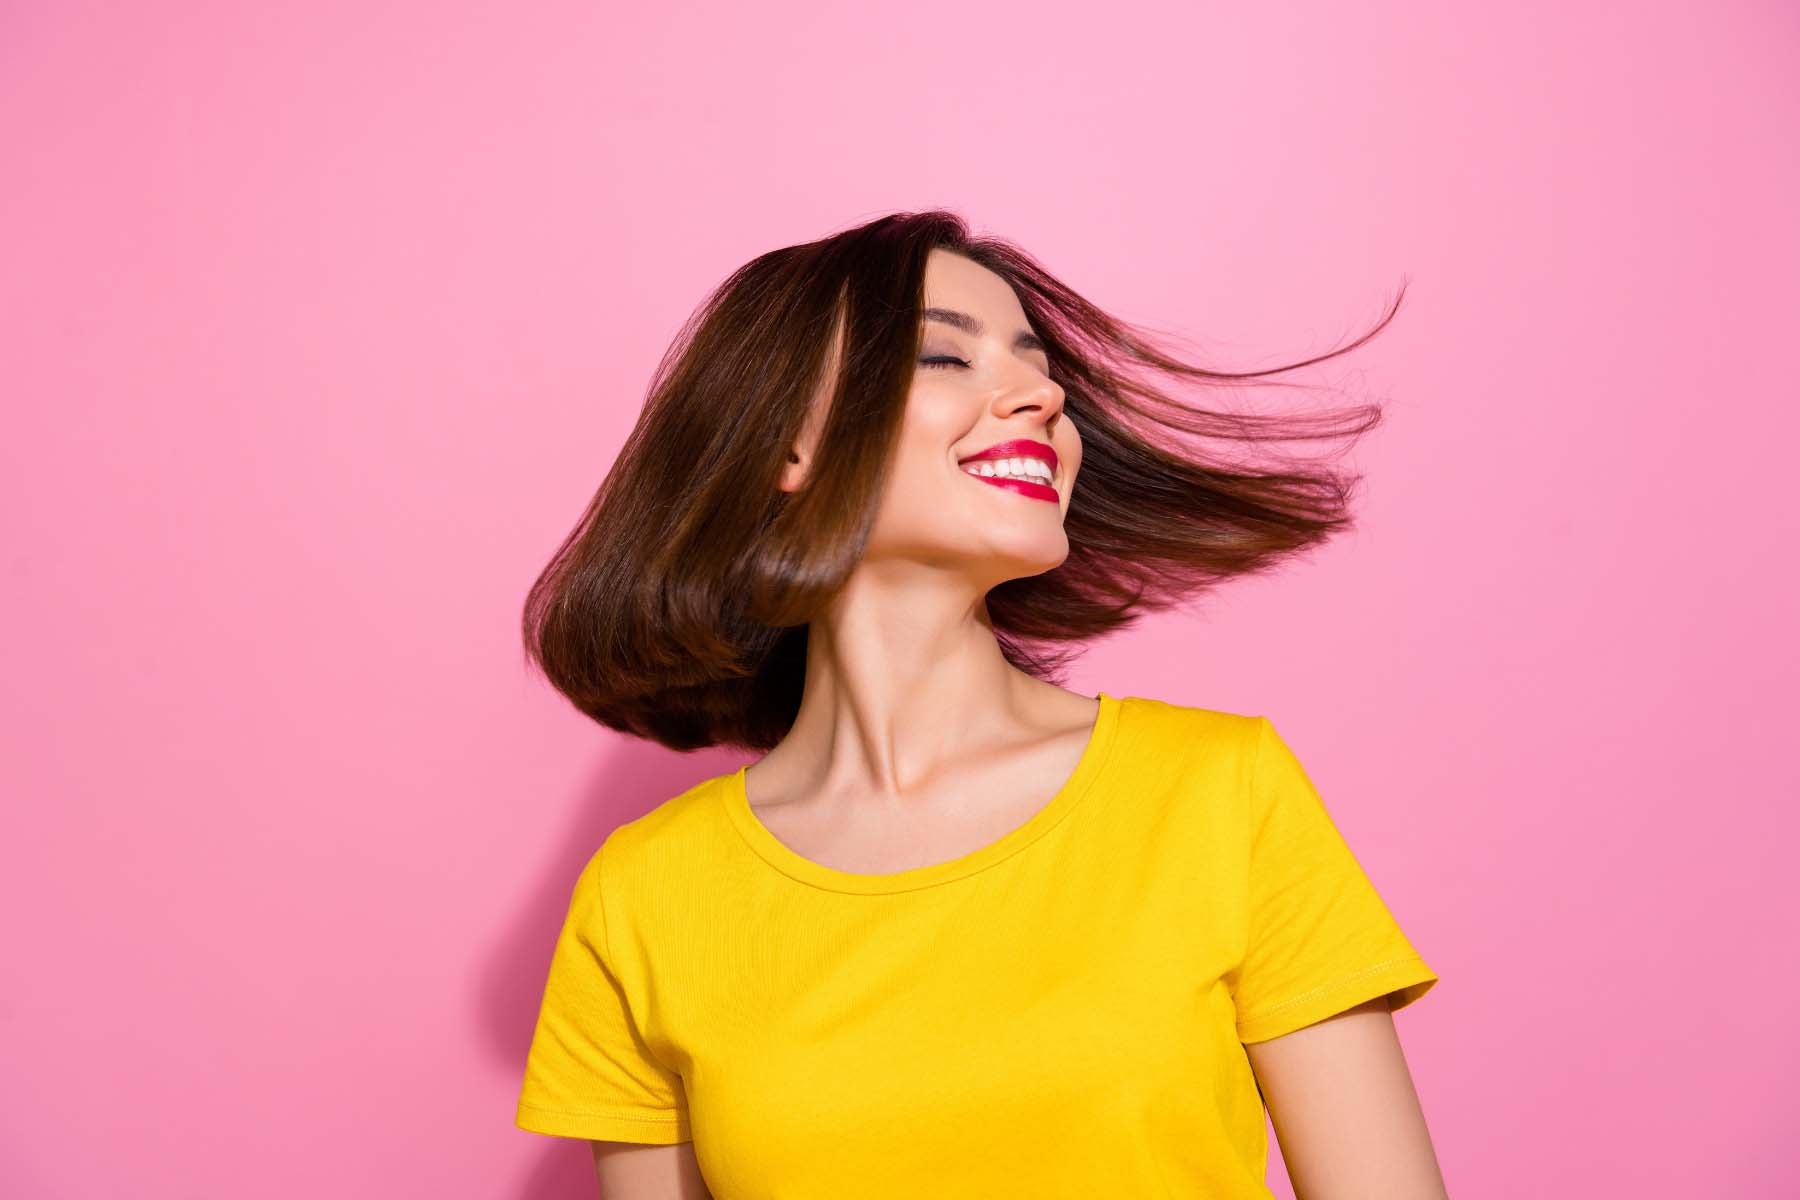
959	931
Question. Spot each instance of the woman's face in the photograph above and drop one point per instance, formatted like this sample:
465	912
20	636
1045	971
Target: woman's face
981	380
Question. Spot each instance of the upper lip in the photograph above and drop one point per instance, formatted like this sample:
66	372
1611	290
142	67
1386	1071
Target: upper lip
1016	448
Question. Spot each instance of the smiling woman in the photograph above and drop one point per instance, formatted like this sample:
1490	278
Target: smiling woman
678	607
959	931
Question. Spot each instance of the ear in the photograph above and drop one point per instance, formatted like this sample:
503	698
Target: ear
796	469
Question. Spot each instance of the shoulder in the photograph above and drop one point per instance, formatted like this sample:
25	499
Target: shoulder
674	840
1186	730
1204	757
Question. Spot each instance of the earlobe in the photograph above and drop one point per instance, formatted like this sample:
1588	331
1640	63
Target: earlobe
793	473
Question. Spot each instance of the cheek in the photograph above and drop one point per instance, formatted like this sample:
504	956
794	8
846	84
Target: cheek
1068	448
924	445
937	419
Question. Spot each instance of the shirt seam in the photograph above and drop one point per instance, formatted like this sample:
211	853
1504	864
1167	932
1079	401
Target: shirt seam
608	1114
1322	989
600	892
612	964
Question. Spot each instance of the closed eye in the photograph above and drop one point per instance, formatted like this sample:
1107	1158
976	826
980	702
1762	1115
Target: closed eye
942	360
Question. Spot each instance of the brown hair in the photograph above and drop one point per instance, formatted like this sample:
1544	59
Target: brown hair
677	608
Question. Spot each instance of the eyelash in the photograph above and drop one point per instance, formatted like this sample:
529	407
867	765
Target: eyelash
942	360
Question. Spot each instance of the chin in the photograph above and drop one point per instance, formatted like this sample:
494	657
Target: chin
1031	556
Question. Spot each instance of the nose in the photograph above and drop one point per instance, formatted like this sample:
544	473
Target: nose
1032	389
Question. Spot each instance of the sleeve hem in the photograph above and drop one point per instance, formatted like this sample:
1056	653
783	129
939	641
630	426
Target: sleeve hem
1402	980
661	1129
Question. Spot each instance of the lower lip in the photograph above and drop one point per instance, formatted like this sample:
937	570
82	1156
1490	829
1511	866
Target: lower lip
1025	487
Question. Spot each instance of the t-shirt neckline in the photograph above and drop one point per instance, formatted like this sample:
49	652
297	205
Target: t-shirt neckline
778	855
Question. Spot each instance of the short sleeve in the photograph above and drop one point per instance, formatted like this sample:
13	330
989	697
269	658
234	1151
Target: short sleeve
1320	939
589	1073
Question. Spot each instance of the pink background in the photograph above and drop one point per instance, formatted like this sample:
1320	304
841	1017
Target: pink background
323	320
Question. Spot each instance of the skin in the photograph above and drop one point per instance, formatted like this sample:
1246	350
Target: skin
1345	1110
916	742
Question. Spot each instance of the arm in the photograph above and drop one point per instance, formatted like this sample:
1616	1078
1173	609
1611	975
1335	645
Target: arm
633	1171
1345	1111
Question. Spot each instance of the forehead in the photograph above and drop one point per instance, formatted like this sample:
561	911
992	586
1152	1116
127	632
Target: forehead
952	281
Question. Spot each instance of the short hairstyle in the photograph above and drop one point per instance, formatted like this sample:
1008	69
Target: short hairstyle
677	608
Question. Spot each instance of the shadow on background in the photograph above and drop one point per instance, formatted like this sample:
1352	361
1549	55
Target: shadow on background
632	781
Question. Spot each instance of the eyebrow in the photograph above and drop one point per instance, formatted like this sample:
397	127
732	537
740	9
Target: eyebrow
1023	340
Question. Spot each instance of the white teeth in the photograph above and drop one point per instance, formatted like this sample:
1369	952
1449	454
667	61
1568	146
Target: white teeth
1025	467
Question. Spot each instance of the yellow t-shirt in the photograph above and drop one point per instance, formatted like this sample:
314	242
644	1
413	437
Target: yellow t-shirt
1061	1012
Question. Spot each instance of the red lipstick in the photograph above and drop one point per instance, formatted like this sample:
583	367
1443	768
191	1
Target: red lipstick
1018	448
